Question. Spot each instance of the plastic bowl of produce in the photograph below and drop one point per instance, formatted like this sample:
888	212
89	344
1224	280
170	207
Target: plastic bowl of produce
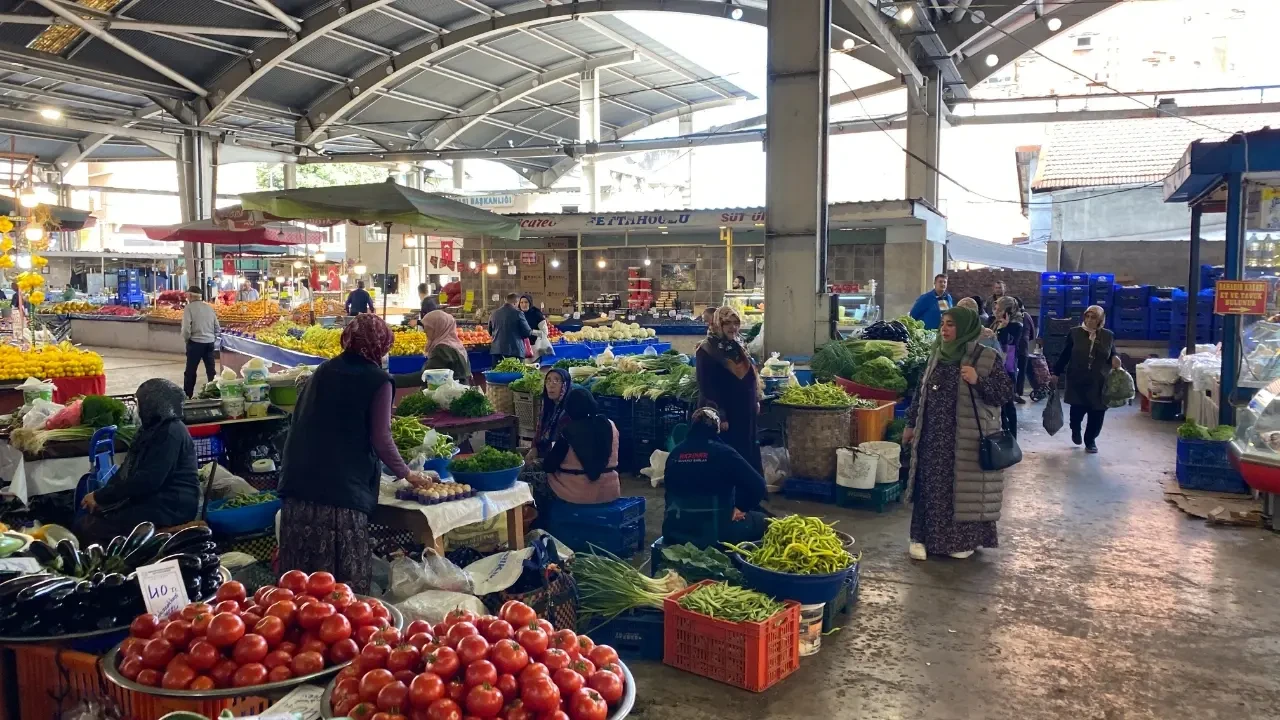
440	465
240	520
866	391
804	589
488	481
494	377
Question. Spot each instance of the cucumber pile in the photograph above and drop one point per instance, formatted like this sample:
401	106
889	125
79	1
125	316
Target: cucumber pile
96	588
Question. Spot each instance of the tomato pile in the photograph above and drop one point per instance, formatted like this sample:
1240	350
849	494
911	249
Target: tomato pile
307	623
513	666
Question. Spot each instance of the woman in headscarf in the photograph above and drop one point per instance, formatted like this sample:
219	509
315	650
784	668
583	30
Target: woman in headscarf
987	336
711	494
1089	356
955	502
727	383
582	464
1007	326
157	482
341	431
555	390
444	348
537	323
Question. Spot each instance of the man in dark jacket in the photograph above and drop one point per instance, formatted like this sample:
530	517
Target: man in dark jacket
509	329
713	495
359	300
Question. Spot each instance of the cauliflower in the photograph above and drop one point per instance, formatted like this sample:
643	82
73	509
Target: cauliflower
650	332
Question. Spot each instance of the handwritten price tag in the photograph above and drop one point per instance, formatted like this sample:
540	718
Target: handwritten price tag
577	316
162	588
613	315
302	703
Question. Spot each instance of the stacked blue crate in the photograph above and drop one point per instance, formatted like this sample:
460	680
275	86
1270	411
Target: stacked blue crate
1207	328
1053	297
1160	318
1130	311
129	288
1209	275
1102	287
1076	278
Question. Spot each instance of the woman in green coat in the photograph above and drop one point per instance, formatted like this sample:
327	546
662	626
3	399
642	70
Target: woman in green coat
444	348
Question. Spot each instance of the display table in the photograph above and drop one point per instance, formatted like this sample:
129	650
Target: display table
136	333
67	388
430	523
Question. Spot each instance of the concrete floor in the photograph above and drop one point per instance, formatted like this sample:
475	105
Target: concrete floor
127	369
1103	601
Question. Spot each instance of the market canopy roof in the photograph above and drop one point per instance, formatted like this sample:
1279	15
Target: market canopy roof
384	202
210	232
1199	174
965	248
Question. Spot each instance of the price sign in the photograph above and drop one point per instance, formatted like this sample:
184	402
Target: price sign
162	588
469	301
577	316
20	564
671	313
302	703
630	317
613	315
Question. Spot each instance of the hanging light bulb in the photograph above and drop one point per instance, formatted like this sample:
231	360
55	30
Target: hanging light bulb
29	198
472	264
360	269
555	261
647	261
491	268
318	257
601	263
297	264
279	279
33	233
24	261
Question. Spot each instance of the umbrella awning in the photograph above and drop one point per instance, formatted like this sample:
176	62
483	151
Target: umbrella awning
378	203
66	218
209	232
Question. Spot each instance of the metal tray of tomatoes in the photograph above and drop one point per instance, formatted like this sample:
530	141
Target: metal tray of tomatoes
623	709
111	668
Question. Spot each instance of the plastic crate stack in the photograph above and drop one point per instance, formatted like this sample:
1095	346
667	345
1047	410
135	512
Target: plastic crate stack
1078	295
1132	308
1054	334
653	422
1209	275
1207	328
1160	315
1102	288
617	526
622	412
1053	296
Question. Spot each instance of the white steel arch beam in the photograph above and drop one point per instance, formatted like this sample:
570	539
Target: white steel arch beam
337	105
444	132
238	78
1012	45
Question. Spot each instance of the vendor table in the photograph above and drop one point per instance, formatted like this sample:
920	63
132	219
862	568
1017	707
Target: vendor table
67	388
430	523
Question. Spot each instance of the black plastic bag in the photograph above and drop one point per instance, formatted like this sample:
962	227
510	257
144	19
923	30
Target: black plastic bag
1052	417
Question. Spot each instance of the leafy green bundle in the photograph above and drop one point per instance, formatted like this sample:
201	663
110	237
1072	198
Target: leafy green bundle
416	405
490	459
471	403
880	373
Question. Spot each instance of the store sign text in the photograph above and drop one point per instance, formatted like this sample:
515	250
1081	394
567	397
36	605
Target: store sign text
629	220
737	217
541	222
1240	297
489	201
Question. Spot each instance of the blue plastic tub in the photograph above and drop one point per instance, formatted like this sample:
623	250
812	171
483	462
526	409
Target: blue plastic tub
501	378
488	481
624	540
1076	278
804	589
440	465
1210	479
405	364
1107	279
1053	278
823	491
243	520
1205	453
804	376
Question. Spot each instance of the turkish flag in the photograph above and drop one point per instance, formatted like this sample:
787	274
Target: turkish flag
335	281
228	265
446	251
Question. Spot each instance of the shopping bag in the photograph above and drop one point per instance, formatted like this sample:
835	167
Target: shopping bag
543	348
1052	417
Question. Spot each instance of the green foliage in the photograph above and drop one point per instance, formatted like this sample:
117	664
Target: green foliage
416	405
471	403
101	411
271	176
489	459
834	359
880	373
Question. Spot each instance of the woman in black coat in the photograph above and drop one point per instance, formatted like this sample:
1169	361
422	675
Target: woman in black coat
727	383
1089	356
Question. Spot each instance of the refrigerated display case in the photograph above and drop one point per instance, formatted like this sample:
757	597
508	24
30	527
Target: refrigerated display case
856	308
1255	449
748	303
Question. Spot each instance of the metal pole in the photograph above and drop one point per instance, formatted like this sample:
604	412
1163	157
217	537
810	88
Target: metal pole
1233	270
278	14
386	271
579	272
1193	280
149	27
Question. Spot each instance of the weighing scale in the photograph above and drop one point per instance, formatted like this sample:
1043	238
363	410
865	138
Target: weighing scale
195	412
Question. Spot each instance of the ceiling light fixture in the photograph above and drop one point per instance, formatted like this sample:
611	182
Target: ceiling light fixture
33	233
472	264
360	269
24	261
297	264
29	197
992	60
906	15
555	261
491	268
736	13
318	257
279	279
647	261
51	113
1055	24
848	44
601	263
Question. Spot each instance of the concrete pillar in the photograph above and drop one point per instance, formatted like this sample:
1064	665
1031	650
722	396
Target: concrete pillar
686	128
924	126
796	176
458	174
589	132
196	196
290	176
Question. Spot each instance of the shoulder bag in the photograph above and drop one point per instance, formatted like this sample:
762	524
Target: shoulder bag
996	451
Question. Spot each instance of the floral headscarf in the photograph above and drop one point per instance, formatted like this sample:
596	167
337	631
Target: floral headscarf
442	329
1102	318
367	336
725	348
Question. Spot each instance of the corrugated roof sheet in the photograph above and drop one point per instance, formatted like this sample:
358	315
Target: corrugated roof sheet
1127	152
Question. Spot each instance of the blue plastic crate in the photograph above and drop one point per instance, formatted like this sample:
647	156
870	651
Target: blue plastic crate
1077	278
1127	325
636	634
823	491
1107	279
1131	334
1204	453
843	602
1052	292
624	540
620	410
653	420
1053	278
208	448
1077	302
618	512
1104	303
1132	295
1124	312
1210	479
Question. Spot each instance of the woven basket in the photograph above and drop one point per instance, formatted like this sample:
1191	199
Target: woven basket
502	399
813	435
528	408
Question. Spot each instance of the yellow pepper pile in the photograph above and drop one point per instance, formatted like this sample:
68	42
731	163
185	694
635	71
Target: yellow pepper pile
48	361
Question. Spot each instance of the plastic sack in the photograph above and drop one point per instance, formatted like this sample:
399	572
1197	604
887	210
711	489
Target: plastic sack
409	577
1051	419
775	366
856	469
756	347
606	357
776	465
33	389
40	413
500	571
448	392
68	416
650	351
433	605
1118	389
542	347
657	467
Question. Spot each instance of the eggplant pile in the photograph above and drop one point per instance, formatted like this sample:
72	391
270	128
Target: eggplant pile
97	588
891	330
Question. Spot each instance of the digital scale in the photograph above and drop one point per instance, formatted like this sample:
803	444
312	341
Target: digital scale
195	412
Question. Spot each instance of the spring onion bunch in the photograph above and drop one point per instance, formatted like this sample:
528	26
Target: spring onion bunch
608	586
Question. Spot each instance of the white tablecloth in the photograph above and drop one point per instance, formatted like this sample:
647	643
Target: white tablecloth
28	478
443	517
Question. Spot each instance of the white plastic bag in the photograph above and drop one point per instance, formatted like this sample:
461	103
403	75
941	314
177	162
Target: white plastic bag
409	577
777	467
542	346
856	469
448	392
606	357
433	605
500	571
39	414
657	467
33	389
650	351
756	347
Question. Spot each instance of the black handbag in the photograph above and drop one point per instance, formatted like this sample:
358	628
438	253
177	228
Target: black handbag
998	450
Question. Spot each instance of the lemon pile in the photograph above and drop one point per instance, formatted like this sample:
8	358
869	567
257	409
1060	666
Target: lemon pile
409	342
48	361
327	342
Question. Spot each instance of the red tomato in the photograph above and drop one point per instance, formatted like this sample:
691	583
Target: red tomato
203	655
277	658
144	626
556	659
404	676
271	628
260	595
251	648
279	673
484	621
456	690
283	609
311	643
320	584
497	630
202	682
200	623
193	610
607	684
472	648
440	630
568	681
306	663
481	672
416	627
380	622
346	688
443	662
362	711
131	667
226	606
459	630
614	668
342	651
425	689
603	655
343	707
359	613
362	633
583	667
458	615
251	674
157	653
566	640
374	655
404	657
289	647
334	627
547	627
393	697
149	677
419	640
533	670
223	672
586	704
372	682
517	613
225	630
311	615
178	633
279	595
534	639
231	590
484	701
517	711
350	671
389	635
294	581
509	687
379	610
584	645
557	715
540	695
340	599
444	709
132	647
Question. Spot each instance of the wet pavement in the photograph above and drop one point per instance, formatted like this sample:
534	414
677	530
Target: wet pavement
1102	601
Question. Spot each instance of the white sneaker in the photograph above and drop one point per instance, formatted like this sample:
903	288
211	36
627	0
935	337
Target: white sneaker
917	552
962	555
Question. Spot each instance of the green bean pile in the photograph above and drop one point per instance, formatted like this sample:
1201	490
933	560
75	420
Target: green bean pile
798	545
728	602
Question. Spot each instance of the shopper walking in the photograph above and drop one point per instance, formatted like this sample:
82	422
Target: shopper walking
427	303
1086	360
727	383
200	333
1007	326
444	348
248	293
930	306
359	300
537	322
1025	344
509	328
340	433
997	292
955	503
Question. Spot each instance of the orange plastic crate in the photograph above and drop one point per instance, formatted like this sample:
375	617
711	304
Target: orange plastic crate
752	656
54	680
871	425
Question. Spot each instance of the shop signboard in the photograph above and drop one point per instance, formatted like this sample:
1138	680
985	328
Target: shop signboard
1240	297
